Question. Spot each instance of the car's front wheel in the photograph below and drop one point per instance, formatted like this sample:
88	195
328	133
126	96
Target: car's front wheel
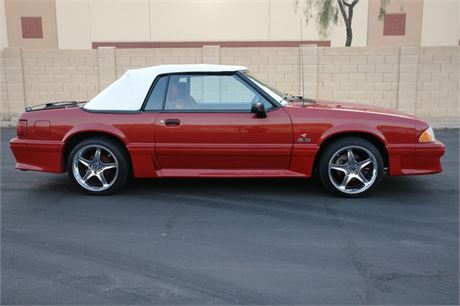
351	167
98	165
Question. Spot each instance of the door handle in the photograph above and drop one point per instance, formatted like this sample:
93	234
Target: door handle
171	122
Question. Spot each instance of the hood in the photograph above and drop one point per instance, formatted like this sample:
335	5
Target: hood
351	107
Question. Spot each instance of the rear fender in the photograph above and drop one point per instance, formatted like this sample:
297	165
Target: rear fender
141	155
96	128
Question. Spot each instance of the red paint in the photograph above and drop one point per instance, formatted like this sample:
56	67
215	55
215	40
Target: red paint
31	27
224	141
229	144
394	24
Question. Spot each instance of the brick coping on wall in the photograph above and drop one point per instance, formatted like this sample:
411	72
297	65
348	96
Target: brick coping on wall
200	44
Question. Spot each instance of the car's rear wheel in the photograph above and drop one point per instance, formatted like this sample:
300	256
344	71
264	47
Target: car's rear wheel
351	167
98	166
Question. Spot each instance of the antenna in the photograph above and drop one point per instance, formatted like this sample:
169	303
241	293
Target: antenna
301	58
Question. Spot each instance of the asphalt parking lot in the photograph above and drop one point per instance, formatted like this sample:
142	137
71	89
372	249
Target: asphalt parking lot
229	241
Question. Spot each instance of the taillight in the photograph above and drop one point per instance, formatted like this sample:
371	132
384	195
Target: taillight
21	128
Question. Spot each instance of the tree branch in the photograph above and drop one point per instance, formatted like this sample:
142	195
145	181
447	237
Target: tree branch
350	14
350	4
342	10
347	17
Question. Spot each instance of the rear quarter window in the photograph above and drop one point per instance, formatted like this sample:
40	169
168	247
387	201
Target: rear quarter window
157	95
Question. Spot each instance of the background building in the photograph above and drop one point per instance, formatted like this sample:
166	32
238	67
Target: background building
85	24
55	50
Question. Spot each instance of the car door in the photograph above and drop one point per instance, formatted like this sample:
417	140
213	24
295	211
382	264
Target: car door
207	124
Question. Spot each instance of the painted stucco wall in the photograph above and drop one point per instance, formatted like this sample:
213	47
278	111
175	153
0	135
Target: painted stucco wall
284	24
81	22
440	20
15	9
3	37
73	24
414	13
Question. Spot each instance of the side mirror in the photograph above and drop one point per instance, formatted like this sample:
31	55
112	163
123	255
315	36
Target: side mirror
259	109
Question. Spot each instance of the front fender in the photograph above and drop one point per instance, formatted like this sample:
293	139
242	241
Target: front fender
352	128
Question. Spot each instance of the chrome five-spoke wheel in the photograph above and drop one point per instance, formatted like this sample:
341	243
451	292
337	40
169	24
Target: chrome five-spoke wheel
351	166
95	167
353	169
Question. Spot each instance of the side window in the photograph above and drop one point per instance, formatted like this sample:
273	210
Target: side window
211	93
155	101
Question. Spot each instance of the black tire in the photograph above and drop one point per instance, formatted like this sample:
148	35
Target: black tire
331	151
114	151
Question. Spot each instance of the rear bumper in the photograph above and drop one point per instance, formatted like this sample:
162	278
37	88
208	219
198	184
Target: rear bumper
38	155
416	159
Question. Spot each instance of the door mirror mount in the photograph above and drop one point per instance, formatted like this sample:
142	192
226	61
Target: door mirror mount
258	108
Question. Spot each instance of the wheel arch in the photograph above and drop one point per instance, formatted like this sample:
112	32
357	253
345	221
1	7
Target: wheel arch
72	139
377	140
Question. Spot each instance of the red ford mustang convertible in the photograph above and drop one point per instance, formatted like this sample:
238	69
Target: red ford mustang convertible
219	121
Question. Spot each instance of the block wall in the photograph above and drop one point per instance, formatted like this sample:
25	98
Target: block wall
138	58
59	75
438	84
278	66
13	84
4	107
419	80
367	75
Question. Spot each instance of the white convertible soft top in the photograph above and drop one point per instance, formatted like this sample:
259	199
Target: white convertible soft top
129	91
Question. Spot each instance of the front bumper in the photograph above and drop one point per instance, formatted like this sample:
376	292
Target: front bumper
38	155
416	159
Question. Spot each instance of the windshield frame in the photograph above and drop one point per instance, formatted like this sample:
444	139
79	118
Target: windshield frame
277	95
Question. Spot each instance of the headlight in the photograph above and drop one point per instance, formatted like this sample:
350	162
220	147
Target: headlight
427	136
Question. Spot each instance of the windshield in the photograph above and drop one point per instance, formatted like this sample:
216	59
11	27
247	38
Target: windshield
274	93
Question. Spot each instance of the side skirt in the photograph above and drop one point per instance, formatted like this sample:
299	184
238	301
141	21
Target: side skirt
227	173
